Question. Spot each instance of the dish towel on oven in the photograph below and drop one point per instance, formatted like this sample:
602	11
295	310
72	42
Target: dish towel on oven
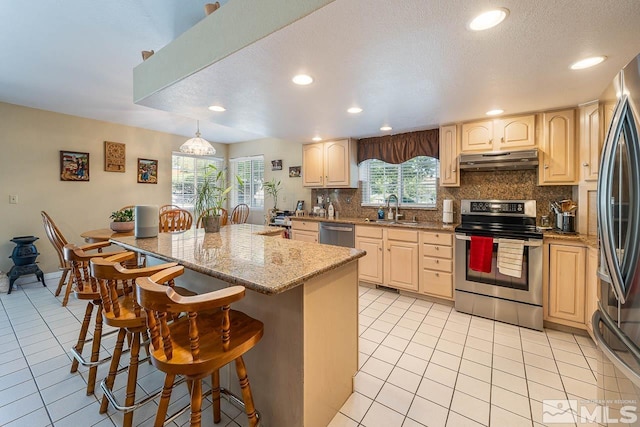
481	253
510	257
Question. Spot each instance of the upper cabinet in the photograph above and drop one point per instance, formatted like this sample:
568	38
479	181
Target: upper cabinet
558	149
449	150
500	134
330	164
590	142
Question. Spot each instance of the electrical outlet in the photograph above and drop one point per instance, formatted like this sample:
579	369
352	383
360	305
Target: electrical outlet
13	199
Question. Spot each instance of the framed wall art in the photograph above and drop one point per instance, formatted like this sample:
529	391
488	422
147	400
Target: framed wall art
294	172
276	165
147	171
114	156
74	166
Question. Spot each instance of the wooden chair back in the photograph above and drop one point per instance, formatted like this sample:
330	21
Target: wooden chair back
167	208
55	237
224	216
78	258
240	214
175	220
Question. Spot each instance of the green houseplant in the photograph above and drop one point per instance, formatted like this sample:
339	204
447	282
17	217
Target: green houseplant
210	197
272	188
123	220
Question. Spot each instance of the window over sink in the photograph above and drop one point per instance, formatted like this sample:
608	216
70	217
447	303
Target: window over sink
414	182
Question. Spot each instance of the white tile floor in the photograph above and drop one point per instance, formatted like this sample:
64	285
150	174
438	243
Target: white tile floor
424	364
421	364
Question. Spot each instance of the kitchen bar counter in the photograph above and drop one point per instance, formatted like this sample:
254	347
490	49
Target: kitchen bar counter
426	225
306	294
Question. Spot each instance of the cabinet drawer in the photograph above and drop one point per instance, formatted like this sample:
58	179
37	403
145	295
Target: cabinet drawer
402	235
372	232
304	225
436	283
445	265
437	251
444	239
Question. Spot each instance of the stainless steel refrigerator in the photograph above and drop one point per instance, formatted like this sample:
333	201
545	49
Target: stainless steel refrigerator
616	323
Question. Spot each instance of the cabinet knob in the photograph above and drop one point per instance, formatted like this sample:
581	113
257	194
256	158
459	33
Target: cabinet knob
453	170
389	249
491	141
437	274
502	139
546	166
585	164
437	248
437	261
437	235
380	249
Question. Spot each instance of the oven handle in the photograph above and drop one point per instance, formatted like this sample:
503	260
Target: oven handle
530	243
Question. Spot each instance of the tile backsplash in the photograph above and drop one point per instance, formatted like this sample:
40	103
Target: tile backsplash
506	185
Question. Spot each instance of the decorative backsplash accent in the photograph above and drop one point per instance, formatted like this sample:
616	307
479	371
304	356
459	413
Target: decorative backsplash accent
506	185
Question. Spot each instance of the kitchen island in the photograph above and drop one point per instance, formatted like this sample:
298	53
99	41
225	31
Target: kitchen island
306	295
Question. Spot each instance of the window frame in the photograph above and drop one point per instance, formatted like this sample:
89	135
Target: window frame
254	186
219	162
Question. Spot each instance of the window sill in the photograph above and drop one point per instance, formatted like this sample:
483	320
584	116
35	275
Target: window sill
413	207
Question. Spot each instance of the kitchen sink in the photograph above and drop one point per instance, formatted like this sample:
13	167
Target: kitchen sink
391	222
385	221
406	222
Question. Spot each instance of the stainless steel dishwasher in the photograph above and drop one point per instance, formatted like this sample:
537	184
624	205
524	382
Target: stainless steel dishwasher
338	234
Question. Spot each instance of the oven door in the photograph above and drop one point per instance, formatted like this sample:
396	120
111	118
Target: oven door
527	288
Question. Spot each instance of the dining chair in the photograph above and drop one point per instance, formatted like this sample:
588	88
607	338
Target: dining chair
175	220
240	214
197	345
58	241
121	311
224	216
85	288
164	208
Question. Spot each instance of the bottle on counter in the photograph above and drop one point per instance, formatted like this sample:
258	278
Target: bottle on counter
330	210
390	213
380	213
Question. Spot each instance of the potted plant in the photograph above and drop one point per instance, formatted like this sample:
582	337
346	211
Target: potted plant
272	188
210	197
123	220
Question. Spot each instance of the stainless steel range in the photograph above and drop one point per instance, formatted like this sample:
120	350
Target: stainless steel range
504	297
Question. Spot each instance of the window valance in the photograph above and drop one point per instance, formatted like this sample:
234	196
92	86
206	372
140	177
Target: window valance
401	147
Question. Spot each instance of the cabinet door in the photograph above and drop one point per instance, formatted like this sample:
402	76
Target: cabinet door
477	136
567	283
592	286
336	164
401	265
370	265
449	149
588	208
558	165
590	142
436	283
313	165
515	132
304	236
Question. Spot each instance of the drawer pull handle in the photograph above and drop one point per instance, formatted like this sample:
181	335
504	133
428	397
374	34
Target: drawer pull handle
437	274
437	261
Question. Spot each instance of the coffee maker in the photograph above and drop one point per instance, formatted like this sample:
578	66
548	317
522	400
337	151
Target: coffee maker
565	216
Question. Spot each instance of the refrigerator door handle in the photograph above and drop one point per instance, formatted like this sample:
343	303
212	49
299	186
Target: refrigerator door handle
606	349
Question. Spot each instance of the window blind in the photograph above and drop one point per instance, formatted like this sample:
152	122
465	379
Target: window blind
251	171
187	172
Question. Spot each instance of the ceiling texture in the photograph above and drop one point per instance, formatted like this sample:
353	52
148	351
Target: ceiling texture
409	64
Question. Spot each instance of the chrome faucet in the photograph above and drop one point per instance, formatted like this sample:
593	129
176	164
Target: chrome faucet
397	203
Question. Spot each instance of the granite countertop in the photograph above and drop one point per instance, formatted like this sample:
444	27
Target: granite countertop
591	241
431	226
245	254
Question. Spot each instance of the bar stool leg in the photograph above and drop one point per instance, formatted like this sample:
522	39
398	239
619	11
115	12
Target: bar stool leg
82	336
61	282
163	406
132	378
113	369
215	395
95	350
67	292
196	403
250	408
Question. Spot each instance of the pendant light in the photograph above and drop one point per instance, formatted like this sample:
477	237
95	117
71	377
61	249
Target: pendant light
198	146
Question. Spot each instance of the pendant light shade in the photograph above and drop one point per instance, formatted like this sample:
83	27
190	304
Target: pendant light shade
198	146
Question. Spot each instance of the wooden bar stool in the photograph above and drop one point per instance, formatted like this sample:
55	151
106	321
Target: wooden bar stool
199	344
58	241
120	310
86	288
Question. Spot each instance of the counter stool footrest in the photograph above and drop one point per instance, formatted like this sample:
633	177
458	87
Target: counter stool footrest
78	356
108	393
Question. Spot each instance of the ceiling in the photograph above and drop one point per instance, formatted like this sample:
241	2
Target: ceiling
410	64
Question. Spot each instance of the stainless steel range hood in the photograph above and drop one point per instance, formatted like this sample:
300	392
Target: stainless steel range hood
500	160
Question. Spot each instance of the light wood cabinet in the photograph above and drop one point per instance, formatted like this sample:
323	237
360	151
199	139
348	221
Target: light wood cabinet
401	259
436	264
449	150
565	290
330	164
558	155
370	239
590	142
304	231
593	283
588	208
500	134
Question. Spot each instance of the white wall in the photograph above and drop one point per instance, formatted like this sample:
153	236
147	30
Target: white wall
276	149
30	142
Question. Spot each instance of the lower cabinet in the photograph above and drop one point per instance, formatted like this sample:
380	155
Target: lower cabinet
436	264
370	240
305	231
593	283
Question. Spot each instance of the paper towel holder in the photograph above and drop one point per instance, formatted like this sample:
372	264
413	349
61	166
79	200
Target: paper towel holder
447	211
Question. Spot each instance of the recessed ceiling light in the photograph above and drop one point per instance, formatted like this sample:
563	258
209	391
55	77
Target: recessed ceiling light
386	128
489	19
587	62
354	110
494	112
217	108
302	79
316	138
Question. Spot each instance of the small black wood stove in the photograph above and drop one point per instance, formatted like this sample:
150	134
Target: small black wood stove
24	257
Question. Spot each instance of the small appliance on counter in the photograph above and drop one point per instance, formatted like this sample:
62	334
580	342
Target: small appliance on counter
565	216
447	211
